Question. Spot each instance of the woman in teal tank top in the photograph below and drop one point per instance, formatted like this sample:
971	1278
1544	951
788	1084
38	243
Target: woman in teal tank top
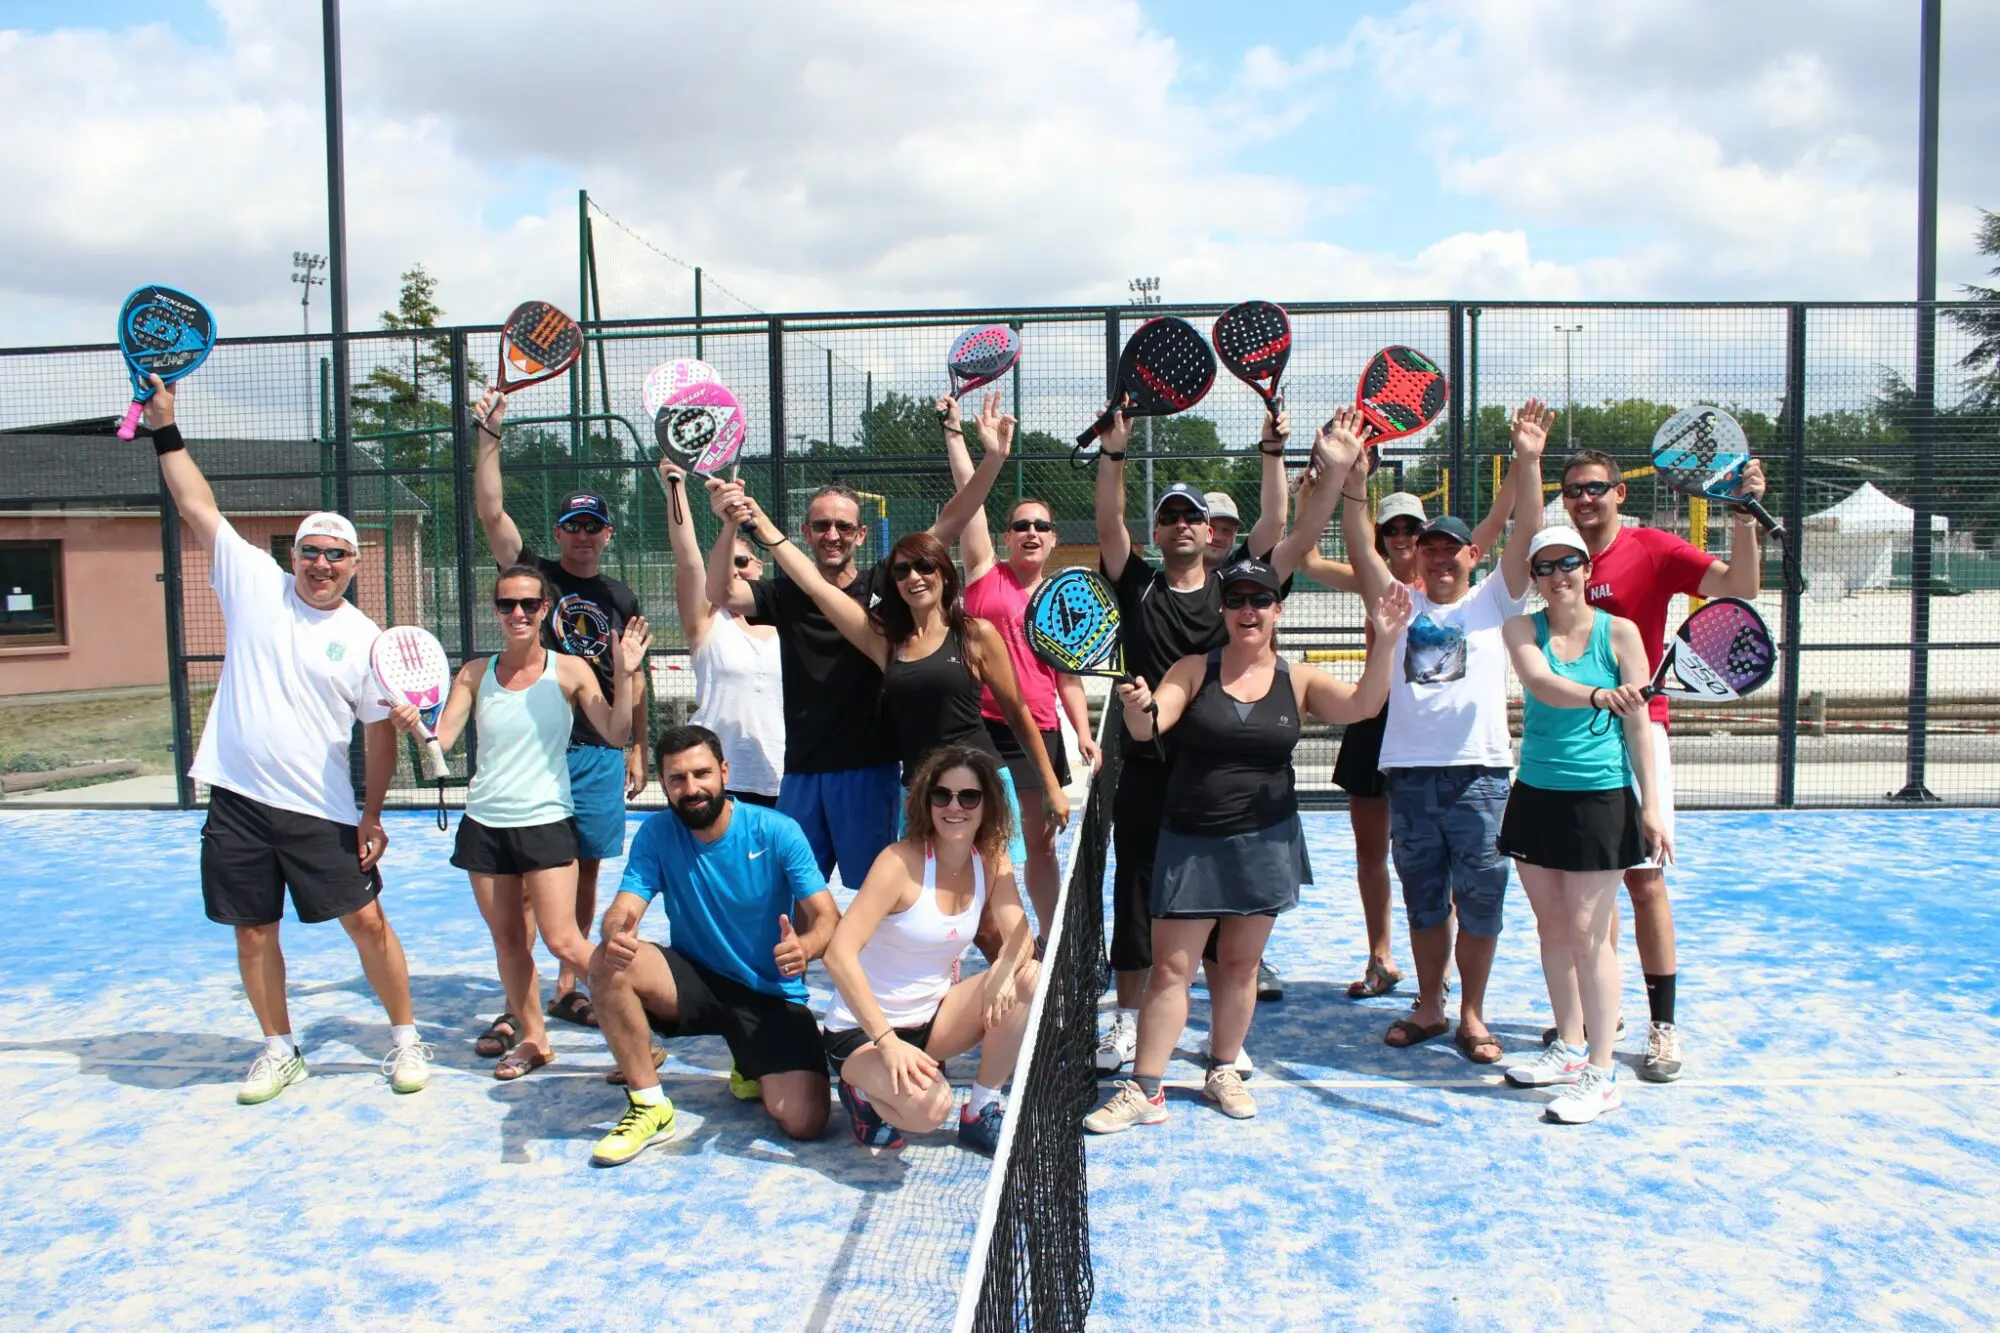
1573	824
518	835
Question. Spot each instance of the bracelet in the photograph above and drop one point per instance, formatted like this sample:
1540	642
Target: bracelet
1595	690
1278	452
887	1033
167	440
1118	457
1360	499
953	430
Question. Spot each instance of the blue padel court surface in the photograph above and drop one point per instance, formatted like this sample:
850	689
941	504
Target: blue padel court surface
1832	1158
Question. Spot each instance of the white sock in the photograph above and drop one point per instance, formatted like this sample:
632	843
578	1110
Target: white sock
1128	1015
281	1045
647	1096
982	1096
402	1034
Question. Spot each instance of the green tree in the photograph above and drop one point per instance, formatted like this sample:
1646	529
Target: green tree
1984	322
408	389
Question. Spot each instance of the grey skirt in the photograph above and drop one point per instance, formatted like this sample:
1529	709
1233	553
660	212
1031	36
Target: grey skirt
1234	874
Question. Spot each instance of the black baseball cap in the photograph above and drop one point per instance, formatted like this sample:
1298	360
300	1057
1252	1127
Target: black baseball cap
1447	525
584	504
1254	572
1189	495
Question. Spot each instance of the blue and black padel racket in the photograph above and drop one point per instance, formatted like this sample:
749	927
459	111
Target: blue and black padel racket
1072	622
160	332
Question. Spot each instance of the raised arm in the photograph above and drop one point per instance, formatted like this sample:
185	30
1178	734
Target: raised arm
1531	434
1318	495
1330	573
969	499
1743	576
975	546
1114	540
690	569
724	589
846	614
488	499
1491	528
1332	700
1273	492
613	720
192	494
1341	439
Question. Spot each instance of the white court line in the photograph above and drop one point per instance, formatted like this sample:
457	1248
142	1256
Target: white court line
1496	1081
546	1072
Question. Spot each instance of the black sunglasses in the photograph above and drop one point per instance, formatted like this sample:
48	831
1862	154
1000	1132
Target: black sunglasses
902	569
821	526
529	606
1173	518
1031	524
589	526
333	555
1236	601
968	798
1401	528
1576	490
1568	564
743	561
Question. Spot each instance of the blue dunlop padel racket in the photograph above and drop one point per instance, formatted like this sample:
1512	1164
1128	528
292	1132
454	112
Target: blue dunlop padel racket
160	332
1072	623
1702	452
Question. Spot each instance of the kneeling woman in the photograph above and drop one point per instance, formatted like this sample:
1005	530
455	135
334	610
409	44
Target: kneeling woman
1231	854
518	837
894	957
1573	825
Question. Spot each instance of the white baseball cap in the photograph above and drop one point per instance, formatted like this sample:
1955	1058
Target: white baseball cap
1399	504
1221	506
326	523
1560	535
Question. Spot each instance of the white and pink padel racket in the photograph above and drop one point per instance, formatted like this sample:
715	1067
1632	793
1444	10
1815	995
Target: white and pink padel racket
411	665
669	378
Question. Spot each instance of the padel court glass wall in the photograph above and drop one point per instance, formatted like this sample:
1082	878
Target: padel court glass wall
1878	438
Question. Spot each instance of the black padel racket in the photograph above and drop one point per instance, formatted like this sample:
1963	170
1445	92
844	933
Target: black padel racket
980	356
1253	339
1072	624
539	342
1702	452
1721	652
1166	367
160	332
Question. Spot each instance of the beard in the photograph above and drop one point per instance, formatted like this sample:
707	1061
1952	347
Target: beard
699	812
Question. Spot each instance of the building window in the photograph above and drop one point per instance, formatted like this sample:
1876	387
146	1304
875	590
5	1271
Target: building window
31	611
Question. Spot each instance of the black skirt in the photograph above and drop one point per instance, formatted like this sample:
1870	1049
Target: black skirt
1357	769
1573	830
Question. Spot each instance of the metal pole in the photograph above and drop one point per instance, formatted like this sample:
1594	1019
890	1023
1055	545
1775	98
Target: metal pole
1924	427
697	312
1794	426
1472	397
829	398
177	682
1455	425
336	266
775	350
1015	375
579	380
597	308
461	493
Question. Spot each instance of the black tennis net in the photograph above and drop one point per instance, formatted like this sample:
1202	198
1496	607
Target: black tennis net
1031	1258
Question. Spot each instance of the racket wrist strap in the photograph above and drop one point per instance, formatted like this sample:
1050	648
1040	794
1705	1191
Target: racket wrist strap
757	539
167	439
1278	452
1118	457
1595	690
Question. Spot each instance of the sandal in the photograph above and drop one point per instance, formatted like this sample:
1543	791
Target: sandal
520	1061
1378	979
1481	1050
502	1035
573	1006
1409	1032
617	1076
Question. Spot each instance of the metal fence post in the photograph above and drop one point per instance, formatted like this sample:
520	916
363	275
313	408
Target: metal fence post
1455	431
1794	426
177	681
461	492
775	337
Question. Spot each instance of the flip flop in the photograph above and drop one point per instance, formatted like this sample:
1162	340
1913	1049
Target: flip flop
502	1035
573	1006
1481	1050
1409	1032
1379	979
617	1076
520	1061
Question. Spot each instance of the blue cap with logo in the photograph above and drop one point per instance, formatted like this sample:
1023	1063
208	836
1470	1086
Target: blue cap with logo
584	504
1447	525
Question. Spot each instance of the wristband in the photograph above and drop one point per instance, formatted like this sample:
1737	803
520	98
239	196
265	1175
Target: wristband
1278	452
1118	457
1595	690
167	439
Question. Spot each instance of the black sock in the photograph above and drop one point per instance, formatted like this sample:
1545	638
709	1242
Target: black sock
1148	1083
1660	996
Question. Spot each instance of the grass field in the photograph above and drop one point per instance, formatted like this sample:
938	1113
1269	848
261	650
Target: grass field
38	733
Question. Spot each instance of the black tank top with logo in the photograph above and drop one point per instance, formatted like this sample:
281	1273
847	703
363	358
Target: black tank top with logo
933	701
1232	769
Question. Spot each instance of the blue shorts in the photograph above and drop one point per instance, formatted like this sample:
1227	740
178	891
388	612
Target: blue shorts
848	816
597	787
1017	849
1444	833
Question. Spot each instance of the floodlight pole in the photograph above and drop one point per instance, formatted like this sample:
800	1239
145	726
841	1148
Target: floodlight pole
336	266
1569	332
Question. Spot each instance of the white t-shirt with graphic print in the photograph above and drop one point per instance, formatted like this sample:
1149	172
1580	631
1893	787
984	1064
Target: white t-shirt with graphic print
294	681
1448	688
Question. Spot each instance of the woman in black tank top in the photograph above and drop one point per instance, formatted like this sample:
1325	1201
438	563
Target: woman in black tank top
1231	853
934	658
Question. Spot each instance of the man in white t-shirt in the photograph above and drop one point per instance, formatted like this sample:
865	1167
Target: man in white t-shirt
274	752
1446	754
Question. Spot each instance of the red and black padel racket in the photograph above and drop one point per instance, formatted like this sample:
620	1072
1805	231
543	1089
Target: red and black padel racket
1253	339
1166	367
980	356
539	342
1401	392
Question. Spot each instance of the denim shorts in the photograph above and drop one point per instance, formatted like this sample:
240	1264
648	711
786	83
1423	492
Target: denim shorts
1444	830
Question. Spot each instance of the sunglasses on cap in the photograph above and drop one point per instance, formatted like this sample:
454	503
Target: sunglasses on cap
527	606
1262	600
1568	564
743	561
1576	490
333	555
968	798
819	527
902	569
1031	525
1176	517
589	526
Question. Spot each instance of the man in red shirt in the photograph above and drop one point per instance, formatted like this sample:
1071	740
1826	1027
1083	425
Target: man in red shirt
1636	572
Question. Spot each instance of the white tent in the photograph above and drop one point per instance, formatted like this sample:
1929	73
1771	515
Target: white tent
1853	544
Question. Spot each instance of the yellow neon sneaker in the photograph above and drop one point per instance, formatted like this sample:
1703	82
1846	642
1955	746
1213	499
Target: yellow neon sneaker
638	1129
742	1087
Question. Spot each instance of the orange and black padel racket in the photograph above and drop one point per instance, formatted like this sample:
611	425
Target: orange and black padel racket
538	343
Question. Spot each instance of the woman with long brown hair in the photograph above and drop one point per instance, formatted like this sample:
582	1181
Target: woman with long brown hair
901	1009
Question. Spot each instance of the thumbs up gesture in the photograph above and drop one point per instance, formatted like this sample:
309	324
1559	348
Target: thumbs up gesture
791	951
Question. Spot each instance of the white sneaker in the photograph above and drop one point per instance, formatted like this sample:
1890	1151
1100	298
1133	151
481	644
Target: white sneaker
1120	1044
270	1075
1244	1065
1663	1054
1224	1087
1552	1065
1125	1108
408	1067
1594	1092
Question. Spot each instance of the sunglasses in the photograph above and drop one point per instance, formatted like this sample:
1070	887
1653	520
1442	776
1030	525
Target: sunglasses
902	569
1174	518
1568	564
744	561
1401	528
968	798
1236	601
1031	525
1576	490
819	527
333	555
527	606
589	526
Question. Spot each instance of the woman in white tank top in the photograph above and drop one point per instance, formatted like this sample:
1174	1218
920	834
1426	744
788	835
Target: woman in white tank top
518	835
901	1009
739	689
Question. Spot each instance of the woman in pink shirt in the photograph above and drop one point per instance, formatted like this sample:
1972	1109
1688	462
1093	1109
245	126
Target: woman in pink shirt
997	591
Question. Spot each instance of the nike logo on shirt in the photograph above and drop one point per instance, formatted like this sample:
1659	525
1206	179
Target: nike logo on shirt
755	855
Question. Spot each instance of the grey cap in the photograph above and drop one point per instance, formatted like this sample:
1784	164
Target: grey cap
1400	504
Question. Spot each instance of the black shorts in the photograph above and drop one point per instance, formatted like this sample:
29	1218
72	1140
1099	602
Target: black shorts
767	1034
1138	804
252	852
1027	777
754	798
513	851
1356	770
1573	830
846	1041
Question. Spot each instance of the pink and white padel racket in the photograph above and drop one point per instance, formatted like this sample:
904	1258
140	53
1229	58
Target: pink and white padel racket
411	666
